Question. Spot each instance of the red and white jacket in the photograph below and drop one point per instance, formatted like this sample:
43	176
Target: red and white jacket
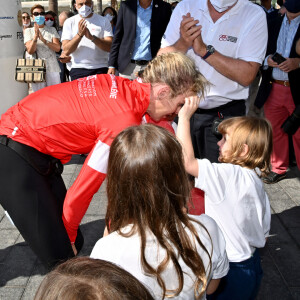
82	116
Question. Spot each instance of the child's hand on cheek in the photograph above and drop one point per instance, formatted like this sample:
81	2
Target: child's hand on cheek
190	106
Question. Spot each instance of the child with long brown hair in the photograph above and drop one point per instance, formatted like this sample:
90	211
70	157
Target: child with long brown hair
234	194
150	234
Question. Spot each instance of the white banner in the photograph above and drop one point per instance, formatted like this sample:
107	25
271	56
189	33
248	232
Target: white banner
11	48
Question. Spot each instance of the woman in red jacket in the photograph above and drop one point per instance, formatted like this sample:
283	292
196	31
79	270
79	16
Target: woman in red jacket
45	129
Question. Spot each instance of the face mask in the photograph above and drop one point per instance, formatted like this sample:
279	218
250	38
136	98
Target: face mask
40	20
26	25
85	10
49	23
222	5
109	17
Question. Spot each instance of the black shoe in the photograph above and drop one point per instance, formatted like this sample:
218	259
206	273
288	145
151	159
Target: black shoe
273	178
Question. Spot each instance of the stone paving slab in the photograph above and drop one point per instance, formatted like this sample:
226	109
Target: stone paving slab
272	286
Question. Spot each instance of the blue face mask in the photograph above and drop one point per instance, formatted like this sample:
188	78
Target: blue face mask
40	20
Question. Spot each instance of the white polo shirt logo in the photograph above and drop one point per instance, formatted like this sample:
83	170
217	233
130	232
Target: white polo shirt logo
227	38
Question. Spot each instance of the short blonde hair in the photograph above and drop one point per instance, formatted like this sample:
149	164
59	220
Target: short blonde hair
256	133
176	70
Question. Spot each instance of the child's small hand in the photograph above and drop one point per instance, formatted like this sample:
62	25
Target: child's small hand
190	106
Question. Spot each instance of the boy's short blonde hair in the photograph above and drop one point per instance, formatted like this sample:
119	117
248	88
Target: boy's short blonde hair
256	133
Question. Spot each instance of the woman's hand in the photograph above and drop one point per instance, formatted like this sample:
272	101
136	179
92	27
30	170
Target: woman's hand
42	38
36	32
190	106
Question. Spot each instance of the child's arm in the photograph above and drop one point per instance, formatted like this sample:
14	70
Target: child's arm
184	136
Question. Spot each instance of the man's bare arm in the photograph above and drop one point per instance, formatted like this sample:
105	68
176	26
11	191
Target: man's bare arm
104	43
69	46
241	71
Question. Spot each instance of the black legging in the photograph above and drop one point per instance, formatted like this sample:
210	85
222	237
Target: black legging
35	204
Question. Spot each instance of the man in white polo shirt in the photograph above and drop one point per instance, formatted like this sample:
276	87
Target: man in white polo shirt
227	39
87	37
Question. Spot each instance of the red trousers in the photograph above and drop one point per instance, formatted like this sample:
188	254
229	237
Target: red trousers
278	107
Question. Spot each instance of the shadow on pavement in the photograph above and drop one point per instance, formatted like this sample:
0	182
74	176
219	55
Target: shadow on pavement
18	262
281	257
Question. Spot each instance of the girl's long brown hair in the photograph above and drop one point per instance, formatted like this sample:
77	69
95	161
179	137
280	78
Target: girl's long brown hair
147	186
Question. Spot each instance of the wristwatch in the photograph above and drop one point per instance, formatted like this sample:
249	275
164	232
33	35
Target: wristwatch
210	50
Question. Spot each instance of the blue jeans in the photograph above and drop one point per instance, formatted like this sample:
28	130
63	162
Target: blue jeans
242	281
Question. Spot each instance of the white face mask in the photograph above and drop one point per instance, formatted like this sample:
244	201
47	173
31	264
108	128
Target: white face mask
85	11
109	17
49	23
222	5
26	24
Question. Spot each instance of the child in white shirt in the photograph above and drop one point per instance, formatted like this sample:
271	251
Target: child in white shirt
150	234
234	194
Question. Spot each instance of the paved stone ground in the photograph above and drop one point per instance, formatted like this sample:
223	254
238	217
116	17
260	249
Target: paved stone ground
21	272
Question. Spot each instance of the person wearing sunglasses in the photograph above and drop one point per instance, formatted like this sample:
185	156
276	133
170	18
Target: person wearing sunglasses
44	42
26	22
50	19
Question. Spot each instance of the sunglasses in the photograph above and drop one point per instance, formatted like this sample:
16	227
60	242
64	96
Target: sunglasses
39	13
26	18
49	19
